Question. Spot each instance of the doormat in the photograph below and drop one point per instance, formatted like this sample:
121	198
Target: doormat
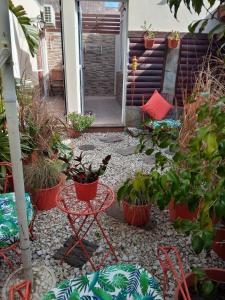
111	139
127	151
76	258
86	147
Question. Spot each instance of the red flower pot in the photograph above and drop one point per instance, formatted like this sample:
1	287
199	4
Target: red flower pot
172	44
149	43
181	211
137	215
86	191
214	274
45	199
73	133
219	242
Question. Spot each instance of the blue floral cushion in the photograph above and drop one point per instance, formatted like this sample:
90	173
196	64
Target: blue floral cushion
116	282
170	123
9	230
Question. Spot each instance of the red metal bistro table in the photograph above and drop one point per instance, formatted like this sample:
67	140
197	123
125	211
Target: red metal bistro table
82	215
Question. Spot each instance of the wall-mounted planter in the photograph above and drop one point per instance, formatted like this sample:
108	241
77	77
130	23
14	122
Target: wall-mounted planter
149	43
172	44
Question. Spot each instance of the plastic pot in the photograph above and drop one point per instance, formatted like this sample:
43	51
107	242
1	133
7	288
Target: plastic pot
86	191
172	44
213	274
45	199
73	133
219	242
136	215
149	43
181	211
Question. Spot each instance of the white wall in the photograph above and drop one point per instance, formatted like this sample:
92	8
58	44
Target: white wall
24	63
157	13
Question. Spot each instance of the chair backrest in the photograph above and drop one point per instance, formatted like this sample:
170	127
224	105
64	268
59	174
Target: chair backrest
6	178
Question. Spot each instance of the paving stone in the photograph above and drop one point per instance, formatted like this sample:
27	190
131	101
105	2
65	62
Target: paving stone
86	147
111	139
127	151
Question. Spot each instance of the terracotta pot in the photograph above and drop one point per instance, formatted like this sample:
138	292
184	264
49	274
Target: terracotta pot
149	43
172	44
219	242
137	215
86	191
73	133
45	199
213	274
221	13
181	211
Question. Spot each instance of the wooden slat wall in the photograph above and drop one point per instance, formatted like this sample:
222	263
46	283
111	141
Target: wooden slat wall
98	23
150	71
192	52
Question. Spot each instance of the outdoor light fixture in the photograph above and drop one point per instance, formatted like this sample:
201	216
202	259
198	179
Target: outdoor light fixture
41	22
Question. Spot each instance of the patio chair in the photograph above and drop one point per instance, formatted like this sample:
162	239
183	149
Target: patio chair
9	230
119	281
172	120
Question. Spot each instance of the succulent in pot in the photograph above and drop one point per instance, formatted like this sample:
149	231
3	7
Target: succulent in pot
149	36
85	176
137	195
78	123
173	39
43	178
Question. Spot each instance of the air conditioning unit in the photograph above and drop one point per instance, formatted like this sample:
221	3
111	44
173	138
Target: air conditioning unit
49	15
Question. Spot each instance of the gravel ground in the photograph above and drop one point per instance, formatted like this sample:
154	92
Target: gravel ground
131	244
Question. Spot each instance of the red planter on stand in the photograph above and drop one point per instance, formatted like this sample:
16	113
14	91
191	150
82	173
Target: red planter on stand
149	43
45	199
137	215
86	191
181	211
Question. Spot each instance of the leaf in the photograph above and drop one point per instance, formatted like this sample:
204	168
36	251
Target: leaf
74	296
207	287
120	281
144	282
212	145
133	282
50	296
100	293
81	283
94	280
197	244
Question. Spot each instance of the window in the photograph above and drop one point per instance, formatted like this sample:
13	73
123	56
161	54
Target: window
110	4
49	15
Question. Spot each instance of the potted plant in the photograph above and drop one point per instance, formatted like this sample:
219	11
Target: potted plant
78	123
137	195
85	177
149	36
43	179
173	39
204	284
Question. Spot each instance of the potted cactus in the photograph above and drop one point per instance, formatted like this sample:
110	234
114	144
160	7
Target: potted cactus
173	39
85	177
149	36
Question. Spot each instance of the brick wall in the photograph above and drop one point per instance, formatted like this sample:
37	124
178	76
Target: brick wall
54	47
99	62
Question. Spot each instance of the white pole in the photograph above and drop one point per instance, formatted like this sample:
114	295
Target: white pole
9	95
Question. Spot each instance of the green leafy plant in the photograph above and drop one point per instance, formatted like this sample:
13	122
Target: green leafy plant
80	122
138	190
84	172
195	175
174	35
148	33
202	284
43	173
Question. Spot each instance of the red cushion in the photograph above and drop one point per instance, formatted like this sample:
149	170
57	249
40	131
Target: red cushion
157	107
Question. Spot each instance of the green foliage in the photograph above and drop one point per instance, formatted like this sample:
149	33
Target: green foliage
174	35
138	190
197	6
42	173
202	284
29	30
148	33
80	122
83	172
195	175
